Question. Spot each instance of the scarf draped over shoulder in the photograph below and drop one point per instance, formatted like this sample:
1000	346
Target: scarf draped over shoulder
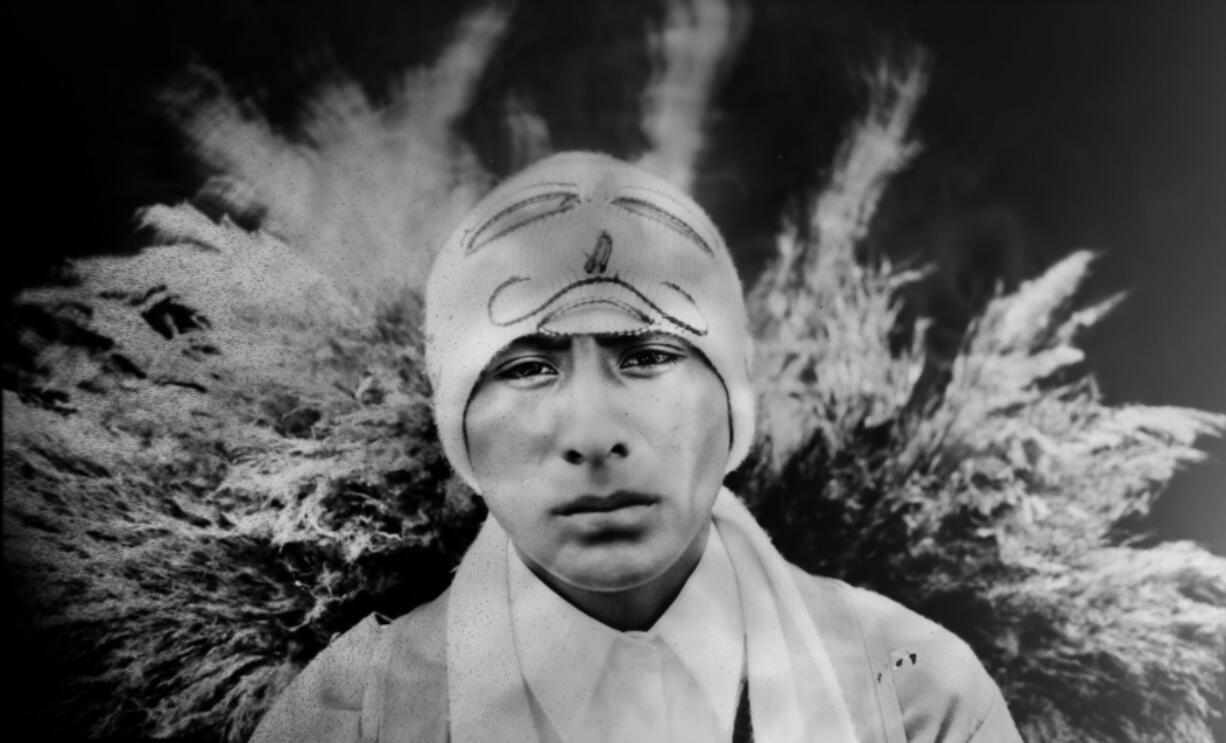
794	692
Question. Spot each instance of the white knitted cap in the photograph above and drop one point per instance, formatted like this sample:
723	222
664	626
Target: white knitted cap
582	243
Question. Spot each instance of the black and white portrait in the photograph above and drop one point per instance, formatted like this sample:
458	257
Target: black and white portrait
658	370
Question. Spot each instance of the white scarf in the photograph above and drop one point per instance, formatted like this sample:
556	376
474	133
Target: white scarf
794	695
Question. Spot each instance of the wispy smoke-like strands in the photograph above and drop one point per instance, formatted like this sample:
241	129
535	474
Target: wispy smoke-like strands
528	133
366	192
693	48
817	296
876	148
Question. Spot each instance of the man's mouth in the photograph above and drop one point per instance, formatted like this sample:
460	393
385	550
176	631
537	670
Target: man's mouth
605	503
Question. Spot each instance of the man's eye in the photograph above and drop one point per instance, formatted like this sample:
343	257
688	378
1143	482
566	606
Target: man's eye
649	358
527	369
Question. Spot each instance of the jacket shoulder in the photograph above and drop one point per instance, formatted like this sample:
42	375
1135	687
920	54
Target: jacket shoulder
943	691
340	694
407	699
324	701
419	638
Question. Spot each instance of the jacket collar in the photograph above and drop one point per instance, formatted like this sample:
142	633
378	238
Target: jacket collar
554	640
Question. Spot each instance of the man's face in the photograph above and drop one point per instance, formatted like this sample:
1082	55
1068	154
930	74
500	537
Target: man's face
601	456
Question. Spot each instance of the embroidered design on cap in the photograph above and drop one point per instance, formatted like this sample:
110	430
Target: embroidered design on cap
598	259
697	326
521	214
644	208
610	210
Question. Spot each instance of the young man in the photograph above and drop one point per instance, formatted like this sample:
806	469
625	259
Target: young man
589	350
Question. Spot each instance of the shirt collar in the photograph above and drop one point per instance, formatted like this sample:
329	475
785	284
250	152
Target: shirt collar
703	627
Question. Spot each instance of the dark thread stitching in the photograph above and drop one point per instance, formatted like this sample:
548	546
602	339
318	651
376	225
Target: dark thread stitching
598	259
630	192
575	285
681	291
657	214
727	398
642	317
569	201
617	333
489	305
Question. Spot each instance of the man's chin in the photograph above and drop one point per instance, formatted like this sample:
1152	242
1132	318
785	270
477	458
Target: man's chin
612	570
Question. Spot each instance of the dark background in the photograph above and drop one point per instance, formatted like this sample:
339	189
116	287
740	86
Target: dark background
1048	127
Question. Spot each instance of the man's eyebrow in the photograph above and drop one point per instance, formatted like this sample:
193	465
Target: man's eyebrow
613	340
540	341
554	342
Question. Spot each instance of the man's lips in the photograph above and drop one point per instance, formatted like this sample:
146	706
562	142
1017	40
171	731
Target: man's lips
605	503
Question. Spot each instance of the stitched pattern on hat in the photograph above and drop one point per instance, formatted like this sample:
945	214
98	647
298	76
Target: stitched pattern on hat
624	306
598	259
501	224
491	312
680	291
644	208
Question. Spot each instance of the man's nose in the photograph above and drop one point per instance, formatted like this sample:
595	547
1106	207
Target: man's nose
592	425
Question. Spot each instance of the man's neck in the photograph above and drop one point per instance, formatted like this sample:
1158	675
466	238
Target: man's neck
635	609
